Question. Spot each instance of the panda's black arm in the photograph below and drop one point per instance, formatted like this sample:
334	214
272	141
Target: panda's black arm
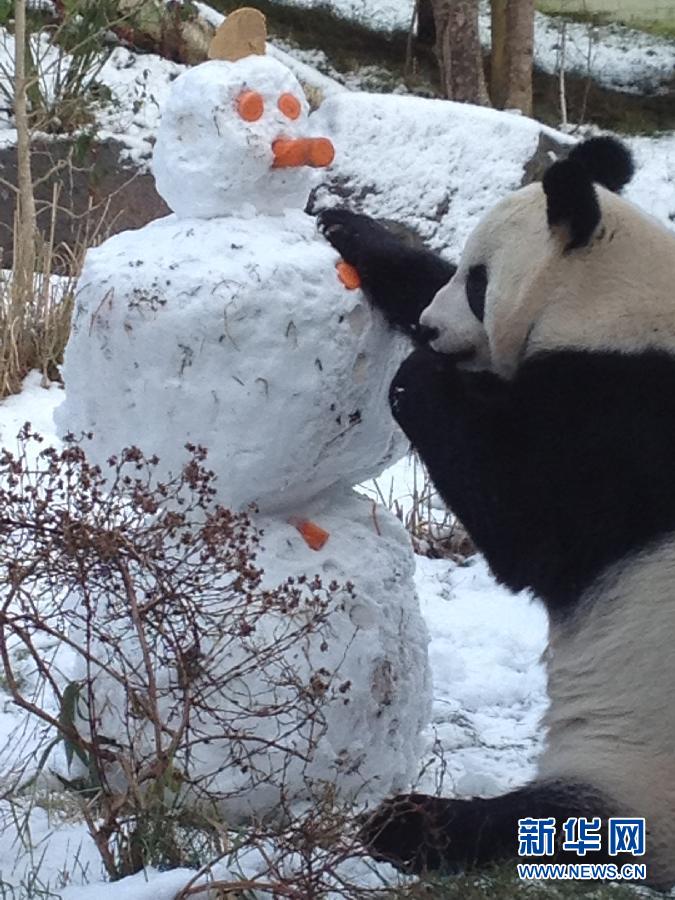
419	833
398	279
556	475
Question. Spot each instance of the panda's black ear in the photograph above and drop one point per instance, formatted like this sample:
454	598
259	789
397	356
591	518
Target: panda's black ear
607	161
571	201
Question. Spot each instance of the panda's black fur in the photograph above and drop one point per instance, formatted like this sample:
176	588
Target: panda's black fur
399	279
561	473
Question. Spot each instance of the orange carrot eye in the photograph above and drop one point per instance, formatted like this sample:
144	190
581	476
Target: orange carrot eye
250	106
290	106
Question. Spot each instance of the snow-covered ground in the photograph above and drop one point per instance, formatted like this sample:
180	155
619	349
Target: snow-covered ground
616	56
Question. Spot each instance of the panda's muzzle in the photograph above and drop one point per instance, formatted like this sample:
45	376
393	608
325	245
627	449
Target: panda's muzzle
425	334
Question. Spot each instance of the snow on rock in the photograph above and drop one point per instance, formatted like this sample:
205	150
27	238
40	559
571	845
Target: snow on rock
449	162
139	85
212	160
235	334
617	57
379	15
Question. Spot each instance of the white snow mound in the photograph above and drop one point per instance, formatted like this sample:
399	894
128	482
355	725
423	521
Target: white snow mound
235	334
435	165
366	741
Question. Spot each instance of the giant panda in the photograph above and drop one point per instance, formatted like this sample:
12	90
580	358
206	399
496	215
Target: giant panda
541	396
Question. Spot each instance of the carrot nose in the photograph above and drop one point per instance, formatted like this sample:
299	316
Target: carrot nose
316	152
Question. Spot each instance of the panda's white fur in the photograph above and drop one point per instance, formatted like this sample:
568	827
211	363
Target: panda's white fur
540	297
611	720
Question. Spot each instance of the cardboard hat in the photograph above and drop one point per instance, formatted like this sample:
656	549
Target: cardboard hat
243	33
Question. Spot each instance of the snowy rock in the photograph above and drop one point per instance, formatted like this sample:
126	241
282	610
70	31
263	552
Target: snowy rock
235	334
211	161
449	164
366	742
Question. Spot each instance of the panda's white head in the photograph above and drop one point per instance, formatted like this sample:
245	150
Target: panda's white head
565	264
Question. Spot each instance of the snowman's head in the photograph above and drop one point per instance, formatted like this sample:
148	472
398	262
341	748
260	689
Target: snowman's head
234	137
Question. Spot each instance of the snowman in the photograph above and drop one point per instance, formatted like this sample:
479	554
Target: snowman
232	324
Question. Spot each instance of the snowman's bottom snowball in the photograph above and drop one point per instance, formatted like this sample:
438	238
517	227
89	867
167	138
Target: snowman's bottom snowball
374	648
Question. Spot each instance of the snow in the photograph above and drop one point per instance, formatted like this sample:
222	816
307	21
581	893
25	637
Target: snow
378	642
618	57
35	404
253	309
380	15
458	159
653	186
51	65
147	885
139	86
373	653
307	74
489	683
231	329
485	647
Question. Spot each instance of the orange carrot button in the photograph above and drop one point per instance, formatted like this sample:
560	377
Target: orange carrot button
314	535
250	105
348	275
290	106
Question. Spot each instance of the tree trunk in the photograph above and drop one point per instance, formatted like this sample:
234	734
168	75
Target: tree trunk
512	49
459	52
426	30
25	229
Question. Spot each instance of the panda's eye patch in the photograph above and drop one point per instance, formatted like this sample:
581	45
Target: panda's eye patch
476	286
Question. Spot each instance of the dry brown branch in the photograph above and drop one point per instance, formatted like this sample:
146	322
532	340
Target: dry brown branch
178	646
233	887
434	530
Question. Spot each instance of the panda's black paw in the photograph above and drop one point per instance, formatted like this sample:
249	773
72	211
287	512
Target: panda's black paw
351	234
410	832
421	391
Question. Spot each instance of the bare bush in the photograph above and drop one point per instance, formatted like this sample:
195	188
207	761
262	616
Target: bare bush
34	322
65	51
135	626
434	529
50	88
